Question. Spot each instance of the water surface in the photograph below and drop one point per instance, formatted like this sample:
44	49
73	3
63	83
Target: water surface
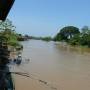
64	68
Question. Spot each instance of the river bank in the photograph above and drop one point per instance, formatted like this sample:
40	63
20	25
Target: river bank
77	48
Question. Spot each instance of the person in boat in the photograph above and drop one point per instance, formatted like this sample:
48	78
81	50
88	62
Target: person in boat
19	59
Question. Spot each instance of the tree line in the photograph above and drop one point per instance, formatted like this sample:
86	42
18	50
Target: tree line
70	34
74	35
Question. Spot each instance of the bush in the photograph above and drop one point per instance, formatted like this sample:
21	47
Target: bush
85	40
75	40
46	38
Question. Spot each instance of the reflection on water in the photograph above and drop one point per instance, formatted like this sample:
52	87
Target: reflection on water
59	67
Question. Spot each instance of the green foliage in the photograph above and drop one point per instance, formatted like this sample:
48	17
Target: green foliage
13	40
7	30
82	39
72	35
7	24
59	37
85	36
66	33
85	40
46	38
75	40
69	31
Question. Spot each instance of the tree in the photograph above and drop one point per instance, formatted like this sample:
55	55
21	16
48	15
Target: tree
59	37
7	30
66	33
85	36
69	31
7	25
75	40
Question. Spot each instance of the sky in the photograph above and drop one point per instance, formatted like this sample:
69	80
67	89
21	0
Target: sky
47	17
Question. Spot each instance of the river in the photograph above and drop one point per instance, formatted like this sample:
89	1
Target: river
53	67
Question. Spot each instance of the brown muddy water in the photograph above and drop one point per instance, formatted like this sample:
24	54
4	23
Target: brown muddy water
53	67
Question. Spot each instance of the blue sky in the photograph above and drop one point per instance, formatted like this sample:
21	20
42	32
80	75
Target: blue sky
47	17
